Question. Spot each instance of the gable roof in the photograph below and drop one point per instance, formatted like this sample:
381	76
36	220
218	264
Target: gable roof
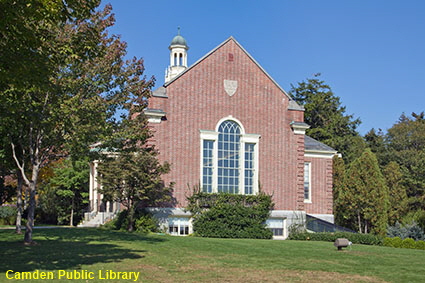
292	105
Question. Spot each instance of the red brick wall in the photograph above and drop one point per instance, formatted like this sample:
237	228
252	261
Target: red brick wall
197	101
321	186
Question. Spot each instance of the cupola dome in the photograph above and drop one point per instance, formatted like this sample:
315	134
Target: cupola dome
179	40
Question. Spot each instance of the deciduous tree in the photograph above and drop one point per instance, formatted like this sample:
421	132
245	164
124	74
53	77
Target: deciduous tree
131	173
80	79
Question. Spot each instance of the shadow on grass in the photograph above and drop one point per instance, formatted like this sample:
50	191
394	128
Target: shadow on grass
69	249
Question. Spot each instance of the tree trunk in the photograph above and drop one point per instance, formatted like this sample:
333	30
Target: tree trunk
31	208
131	211
71	221
31	213
19	202
359	221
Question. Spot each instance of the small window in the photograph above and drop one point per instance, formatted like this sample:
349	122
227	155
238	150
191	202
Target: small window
178	226
276	225
307	182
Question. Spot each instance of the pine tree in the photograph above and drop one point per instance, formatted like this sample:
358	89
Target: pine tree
327	119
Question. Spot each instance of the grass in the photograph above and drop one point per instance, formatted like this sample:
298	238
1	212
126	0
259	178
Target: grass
190	259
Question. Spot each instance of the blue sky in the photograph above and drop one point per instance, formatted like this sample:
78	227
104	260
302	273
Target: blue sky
371	52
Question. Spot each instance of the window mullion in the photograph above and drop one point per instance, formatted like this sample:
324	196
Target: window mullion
242	166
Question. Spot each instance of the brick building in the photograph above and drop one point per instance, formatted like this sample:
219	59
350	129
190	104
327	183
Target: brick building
226	126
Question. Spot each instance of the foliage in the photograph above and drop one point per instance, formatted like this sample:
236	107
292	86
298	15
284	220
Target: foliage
421	219
420	245
375	140
134	179
145	222
7	191
412	230
406	142
64	194
394	242
407	243
327	118
75	80
226	215
355	238
340	193
368	205
7	215
397	192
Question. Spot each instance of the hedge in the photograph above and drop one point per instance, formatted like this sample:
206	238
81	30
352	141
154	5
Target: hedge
225	215
355	238
407	243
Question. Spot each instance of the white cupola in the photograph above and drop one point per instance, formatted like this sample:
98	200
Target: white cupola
178	57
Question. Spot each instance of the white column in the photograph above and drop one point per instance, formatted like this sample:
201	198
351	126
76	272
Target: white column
91	184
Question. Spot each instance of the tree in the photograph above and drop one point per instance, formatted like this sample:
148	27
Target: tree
70	181
397	193
406	143
341	198
375	140
369	194
72	102
131	174
327	119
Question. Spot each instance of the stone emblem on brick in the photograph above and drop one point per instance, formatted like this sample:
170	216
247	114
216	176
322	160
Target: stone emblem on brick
230	87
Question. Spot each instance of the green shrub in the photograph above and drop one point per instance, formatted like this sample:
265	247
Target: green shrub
364	239
146	223
230	216
397	242
7	215
420	245
412	230
388	242
421	219
408	243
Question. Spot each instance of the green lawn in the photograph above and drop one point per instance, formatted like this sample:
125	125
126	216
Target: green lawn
190	259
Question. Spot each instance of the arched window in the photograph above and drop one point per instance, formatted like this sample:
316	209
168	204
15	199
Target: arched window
229	134
229	159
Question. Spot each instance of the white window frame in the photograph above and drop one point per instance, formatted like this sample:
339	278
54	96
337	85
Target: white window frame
271	224
307	200
245	138
180	223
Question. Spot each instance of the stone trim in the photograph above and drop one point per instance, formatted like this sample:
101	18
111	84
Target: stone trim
299	128
154	115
